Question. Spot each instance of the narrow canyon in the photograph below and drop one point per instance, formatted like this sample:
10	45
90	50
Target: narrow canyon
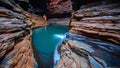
59	34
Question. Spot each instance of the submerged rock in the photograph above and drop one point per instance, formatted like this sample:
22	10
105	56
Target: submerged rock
99	20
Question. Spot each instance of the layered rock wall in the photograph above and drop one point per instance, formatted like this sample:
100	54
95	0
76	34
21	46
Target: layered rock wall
15	41
99	20
15	36
96	20
60	6
73	54
78	51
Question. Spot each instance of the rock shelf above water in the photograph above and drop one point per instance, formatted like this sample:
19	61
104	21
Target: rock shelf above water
99	20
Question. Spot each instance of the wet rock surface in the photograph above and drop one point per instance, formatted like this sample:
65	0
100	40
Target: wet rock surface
79	51
99	20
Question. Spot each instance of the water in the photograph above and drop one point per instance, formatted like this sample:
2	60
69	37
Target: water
45	41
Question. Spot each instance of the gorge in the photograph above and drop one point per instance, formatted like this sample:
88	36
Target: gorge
76	34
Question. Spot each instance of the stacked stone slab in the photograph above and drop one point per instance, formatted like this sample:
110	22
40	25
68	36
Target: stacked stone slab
99	20
15	36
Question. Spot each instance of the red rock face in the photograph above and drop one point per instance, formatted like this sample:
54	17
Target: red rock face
60	6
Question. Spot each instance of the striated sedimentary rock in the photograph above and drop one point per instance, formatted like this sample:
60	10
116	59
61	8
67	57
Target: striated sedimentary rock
60	21
79	51
99	20
60	6
35	19
15	36
17	11
15	41
73	54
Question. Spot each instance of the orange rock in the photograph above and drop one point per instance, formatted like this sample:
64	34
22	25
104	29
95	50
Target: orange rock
45	17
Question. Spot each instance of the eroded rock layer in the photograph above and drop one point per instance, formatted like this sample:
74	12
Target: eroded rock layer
15	36
79	51
99	20
60	6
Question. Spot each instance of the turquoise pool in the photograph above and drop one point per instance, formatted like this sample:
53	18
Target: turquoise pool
45	41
